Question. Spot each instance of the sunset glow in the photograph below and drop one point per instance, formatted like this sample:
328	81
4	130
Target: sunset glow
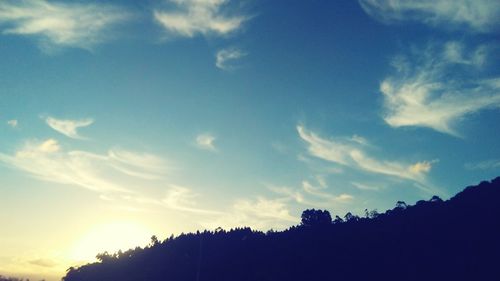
123	119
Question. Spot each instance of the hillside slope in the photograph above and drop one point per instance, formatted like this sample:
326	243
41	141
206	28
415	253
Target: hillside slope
457	239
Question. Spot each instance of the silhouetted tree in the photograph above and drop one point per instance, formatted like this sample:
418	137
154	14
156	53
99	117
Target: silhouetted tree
350	217
401	205
338	220
104	257
154	240
312	217
373	213
436	198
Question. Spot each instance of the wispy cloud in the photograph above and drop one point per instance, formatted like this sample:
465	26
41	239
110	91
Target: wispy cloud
139	165
225	57
68	127
438	87
265	208
60	24
206	141
192	17
311	195
352	154
365	186
13	123
476	15
320	192
260	213
111	172
183	199
43	262
484	165
177	198
455	52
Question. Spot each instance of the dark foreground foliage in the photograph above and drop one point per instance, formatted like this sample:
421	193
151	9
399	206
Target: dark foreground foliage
458	239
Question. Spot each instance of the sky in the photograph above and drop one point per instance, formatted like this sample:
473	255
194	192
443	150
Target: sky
120	120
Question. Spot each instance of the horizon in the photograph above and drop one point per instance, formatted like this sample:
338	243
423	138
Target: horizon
122	120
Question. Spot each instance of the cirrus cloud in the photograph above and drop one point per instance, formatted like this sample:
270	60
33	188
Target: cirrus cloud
225	57
68	127
206	141
193	17
260	213
104	173
438	87
60	24
352	154
13	123
475	15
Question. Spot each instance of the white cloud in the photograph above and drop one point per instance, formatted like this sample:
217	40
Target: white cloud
295	195
476	15
184	199
58	23
13	123
319	192
351	154
484	165
454	52
194	17
265	208
260	213
360	140
310	195
112	172
436	89
224	57
68	127
364	186
177	198
139	165
206	141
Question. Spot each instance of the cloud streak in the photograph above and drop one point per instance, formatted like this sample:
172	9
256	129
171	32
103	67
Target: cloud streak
107	173
260	213
320	193
491	164
13	123
352	154
475	15
438	87
68	127
225	57
60	24
193	17
183	199
311	195
206	141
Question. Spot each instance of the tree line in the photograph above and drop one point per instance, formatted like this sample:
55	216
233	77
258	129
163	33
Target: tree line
456	239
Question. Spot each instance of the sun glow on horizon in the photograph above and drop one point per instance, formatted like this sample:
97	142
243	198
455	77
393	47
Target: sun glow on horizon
110	237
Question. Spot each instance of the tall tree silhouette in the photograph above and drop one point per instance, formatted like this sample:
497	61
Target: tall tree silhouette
314	217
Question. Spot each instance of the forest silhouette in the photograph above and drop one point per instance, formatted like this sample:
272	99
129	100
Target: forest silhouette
457	239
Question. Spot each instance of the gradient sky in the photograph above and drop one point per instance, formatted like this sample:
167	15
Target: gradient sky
124	119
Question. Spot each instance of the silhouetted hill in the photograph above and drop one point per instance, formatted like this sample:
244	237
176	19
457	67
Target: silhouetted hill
457	239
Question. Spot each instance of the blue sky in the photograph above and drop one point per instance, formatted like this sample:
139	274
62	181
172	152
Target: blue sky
169	116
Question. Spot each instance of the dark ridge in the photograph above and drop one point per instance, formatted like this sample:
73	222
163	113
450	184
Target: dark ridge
457	239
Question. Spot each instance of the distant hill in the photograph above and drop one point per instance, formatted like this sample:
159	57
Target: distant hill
457	239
